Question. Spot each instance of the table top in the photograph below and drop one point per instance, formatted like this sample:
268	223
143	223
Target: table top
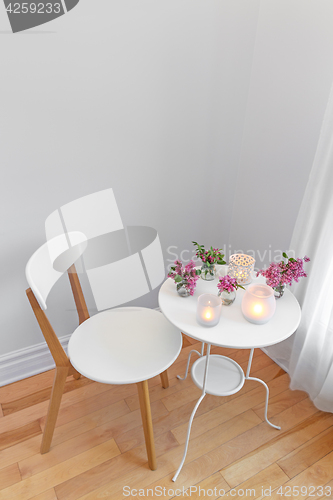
233	330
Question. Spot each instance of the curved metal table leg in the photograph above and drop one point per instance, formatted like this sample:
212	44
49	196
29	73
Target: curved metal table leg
247	377
189	358
193	413
266	404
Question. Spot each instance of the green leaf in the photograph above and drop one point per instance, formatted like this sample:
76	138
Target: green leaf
285	255
178	278
197	272
221	262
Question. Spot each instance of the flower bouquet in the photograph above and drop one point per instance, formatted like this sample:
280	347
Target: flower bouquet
227	289
185	277
280	274
209	259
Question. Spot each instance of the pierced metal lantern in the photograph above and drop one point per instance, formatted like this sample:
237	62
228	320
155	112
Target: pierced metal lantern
241	267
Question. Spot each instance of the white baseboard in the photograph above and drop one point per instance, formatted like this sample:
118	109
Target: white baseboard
28	361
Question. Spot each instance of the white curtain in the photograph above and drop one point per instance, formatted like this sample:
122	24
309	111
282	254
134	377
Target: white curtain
308	354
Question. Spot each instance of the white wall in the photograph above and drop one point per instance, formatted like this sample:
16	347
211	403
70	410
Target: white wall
292	73
197	113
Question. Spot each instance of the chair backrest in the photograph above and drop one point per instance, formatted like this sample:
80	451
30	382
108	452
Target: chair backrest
122	264
94	215
51	260
43	270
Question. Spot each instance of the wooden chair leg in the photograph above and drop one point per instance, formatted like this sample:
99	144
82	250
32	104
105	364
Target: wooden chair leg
52	414
165	379
147	422
74	372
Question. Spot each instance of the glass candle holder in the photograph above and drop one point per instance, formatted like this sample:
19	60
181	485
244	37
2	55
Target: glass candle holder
241	267
208	309
258	304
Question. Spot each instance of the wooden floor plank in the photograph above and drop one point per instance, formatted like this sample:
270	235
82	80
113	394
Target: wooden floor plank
189	339
157	392
49	478
62	433
20	451
170	461
1	412
85	406
280	402
280	372
42	395
186	341
213	483
9	475
270	478
305	456
116	470
82	442
317	475
46	495
11	422
20	434
26	387
279	447
232	407
327	492
98	445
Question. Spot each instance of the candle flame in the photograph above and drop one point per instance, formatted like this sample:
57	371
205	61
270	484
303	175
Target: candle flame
257	308
208	314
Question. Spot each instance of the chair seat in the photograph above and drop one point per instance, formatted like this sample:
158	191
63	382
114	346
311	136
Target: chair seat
124	345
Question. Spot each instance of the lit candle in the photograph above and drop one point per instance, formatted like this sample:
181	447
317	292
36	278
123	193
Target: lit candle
257	309
258	304
208	309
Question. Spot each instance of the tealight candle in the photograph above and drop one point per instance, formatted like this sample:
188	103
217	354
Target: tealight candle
258	304
208	309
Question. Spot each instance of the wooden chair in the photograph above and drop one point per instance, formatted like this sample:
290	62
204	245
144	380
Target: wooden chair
118	346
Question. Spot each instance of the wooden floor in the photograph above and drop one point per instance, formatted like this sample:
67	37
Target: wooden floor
98	446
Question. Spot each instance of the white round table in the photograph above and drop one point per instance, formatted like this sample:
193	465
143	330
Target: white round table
233	329
219	375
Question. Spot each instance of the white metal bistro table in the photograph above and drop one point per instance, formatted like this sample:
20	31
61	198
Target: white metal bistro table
220	375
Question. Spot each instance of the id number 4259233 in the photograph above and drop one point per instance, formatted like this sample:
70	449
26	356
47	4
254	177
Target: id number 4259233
34	8
304	491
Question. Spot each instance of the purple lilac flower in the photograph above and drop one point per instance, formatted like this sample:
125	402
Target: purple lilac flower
284	273
187	273
227	283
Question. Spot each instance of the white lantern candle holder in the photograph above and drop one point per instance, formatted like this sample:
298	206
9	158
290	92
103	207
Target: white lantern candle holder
258	304
208	309
241	267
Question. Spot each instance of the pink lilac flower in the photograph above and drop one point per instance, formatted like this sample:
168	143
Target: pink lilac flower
187	273
227	283
284	273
